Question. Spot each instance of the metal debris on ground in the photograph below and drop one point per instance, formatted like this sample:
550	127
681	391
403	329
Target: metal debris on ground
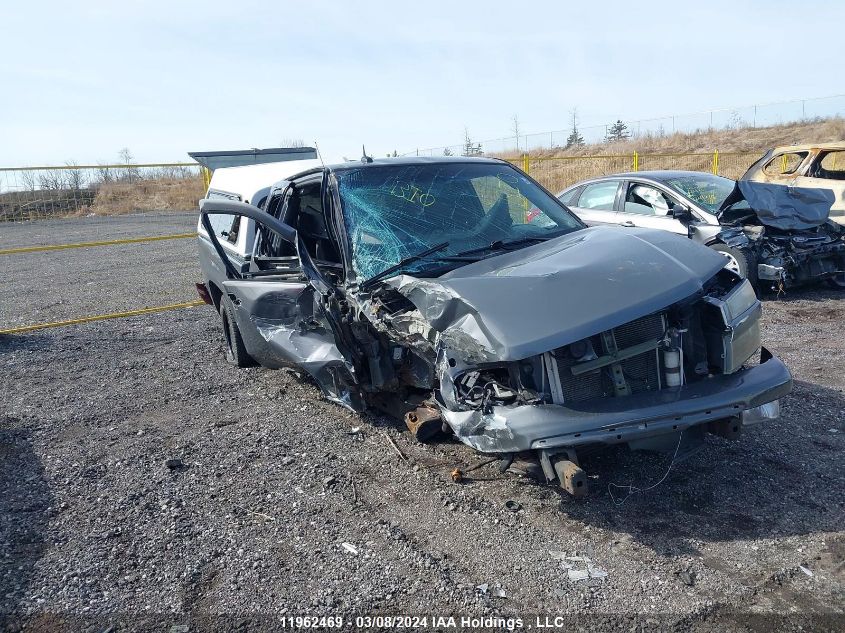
572	563
395	447
577	574
805	570
349	547
513	506
482	588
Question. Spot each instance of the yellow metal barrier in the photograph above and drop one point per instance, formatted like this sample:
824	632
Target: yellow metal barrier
101	317
558	172
59	247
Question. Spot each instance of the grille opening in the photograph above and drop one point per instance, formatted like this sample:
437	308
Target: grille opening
641	373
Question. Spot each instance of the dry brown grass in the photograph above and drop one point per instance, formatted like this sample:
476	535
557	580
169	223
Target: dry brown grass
743	140
161	194
738	148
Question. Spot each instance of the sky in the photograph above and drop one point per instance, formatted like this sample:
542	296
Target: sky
82	80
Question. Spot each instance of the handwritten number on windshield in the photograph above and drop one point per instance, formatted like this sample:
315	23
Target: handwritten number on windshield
412	193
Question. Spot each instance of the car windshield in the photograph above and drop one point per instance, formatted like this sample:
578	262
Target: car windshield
393	212
705	190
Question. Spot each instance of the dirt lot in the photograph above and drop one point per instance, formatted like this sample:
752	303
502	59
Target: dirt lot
283	504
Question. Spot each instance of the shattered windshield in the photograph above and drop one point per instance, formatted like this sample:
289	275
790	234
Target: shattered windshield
705	190
393	212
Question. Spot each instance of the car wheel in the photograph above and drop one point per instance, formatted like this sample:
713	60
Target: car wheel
740	261
236	353
838	281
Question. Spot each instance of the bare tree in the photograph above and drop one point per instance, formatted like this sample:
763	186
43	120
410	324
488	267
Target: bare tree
103	175
293	142
127	159
51	180
28	180
74	177
515	129
471	148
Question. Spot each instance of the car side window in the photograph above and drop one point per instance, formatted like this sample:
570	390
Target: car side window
784	164
646	200
225	226
830	165
600	196
570	197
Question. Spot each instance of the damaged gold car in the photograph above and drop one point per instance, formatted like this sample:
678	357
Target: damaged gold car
817	166
460	294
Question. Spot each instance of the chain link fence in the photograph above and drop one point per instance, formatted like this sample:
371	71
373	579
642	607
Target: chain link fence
735	118
31	193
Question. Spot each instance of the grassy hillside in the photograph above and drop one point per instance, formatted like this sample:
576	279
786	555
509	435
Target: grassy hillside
558	168
743	139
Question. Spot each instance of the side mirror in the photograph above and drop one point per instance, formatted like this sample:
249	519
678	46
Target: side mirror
680	212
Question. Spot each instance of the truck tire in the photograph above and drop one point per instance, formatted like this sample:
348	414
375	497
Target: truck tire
741	261
236	353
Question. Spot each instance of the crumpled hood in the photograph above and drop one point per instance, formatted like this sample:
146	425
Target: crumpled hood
780	206
536	299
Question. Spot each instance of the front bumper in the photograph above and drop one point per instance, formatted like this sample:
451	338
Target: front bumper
622	420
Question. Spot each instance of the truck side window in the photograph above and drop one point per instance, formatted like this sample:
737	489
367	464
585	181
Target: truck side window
225	226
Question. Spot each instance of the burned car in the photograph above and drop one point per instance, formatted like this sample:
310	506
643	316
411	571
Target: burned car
819	165
775	236
460	294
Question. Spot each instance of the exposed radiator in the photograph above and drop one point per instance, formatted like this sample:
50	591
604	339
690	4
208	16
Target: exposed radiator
641	372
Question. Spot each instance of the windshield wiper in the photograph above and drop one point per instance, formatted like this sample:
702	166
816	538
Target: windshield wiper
499	245
403	263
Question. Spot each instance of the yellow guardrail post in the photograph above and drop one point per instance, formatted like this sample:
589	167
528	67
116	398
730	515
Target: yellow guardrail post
526	163
636	161
716	162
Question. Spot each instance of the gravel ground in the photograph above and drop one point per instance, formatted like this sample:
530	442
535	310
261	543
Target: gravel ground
49	286
95	228
145	483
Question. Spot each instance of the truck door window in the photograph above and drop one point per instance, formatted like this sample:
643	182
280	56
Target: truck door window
225	226
311	223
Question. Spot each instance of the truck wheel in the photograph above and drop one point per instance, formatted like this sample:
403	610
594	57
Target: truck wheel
837	282
236	353
740	261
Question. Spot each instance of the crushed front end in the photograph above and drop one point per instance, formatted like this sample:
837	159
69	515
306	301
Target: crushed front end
791	258
691	367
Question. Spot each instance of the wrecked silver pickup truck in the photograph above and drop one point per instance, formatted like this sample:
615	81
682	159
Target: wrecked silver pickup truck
460	294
